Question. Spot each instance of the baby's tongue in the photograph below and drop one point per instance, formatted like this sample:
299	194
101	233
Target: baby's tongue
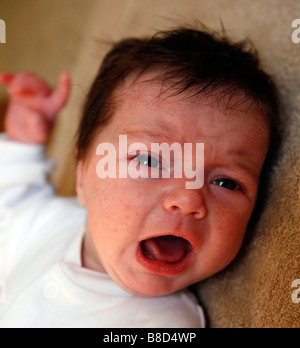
168	249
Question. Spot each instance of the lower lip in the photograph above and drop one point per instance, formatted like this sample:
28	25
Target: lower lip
163	268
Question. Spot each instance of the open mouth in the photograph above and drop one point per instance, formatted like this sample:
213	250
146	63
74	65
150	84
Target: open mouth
166	255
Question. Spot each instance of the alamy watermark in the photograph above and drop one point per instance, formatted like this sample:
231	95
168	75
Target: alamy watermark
136	161
296	32
2	291
2	31
296	293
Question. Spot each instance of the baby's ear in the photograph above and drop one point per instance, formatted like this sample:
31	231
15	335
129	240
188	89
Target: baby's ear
79	183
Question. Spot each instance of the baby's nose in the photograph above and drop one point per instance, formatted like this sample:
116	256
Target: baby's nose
186	201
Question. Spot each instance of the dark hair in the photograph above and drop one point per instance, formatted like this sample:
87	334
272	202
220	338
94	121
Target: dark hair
202	62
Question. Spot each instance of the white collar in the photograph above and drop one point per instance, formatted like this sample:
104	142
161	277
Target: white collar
91	280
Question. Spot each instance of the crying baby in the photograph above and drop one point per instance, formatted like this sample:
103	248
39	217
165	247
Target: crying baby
158	212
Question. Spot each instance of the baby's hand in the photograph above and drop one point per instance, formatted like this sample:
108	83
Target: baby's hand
33	106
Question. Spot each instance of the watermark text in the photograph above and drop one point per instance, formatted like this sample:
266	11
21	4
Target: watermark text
296	32
296	293
159	161
2	291
2	31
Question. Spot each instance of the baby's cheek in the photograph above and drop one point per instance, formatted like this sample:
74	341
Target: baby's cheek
126	201
225	240
126	210
223	219
229	228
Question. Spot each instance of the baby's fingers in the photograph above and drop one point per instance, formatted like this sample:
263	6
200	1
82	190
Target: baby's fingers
59	96
28	85
26	125
6	78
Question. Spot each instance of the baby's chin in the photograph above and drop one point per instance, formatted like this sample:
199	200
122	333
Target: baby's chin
148	291
149	285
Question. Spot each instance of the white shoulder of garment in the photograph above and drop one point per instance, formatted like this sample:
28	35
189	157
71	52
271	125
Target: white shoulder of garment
42	282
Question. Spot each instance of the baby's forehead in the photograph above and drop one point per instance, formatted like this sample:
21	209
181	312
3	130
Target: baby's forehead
147	94
145	116
153	87
147	88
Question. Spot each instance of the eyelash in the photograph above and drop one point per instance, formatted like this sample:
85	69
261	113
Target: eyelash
148	157
222	183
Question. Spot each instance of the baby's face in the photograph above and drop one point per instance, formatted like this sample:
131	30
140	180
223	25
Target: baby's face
153	236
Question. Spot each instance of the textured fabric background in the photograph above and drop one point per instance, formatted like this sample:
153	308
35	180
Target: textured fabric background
256	290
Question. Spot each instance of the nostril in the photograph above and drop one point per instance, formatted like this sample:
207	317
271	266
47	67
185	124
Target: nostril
200	214
174	208
186	202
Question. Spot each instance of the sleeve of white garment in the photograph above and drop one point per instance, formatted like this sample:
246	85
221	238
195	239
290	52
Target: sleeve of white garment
22	167
24	191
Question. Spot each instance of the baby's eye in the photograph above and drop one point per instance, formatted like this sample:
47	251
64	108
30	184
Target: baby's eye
227	183
149	161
